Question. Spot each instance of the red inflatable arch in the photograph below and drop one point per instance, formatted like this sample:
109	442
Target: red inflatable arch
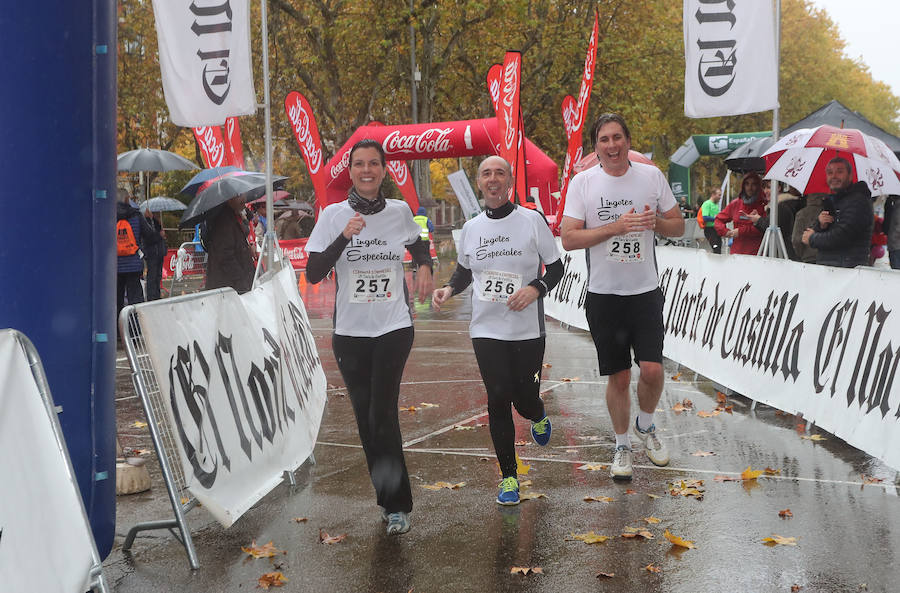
473	137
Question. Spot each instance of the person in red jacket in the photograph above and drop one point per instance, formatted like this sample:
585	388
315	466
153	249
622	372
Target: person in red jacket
746	236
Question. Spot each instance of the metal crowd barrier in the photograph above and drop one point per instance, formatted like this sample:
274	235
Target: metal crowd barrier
97	582
146	385
189	273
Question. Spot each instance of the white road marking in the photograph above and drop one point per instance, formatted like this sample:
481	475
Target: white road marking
444	429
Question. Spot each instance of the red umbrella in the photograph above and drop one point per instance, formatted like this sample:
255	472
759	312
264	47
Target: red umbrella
278	194
799	159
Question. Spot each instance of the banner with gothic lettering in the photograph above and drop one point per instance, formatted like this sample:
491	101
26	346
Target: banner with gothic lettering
212	146
731	66
306	132
243	386
204	58
803	338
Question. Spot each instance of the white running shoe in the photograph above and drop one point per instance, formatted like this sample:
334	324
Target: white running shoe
656	451
621	465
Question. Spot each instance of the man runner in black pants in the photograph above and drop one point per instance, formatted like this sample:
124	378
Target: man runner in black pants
612	211
500	252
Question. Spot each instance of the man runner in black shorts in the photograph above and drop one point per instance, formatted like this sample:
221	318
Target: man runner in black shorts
612	211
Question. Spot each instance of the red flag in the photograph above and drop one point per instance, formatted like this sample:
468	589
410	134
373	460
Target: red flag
212	146
508	118
495	73
233	142
399	171
574	113
306	132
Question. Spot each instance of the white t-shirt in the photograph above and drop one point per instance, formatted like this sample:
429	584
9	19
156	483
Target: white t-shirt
372	298
505	254
624	264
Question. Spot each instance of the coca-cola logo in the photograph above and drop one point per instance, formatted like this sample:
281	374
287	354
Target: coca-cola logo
568	112
212	147
293	252
342	164
399	171
187	262
430	141
510	91
303	124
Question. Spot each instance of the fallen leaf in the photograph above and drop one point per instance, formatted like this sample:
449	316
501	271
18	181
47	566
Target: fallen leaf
630	491
653	496
779	540
687	488
870	480
703	454
780	413
463	428
704	414
785	514
571	450
814	437
679	408
521	443
592	467
547	365
443	485
652	568
267	551
727	479
531	495
139	424
651	520
687	403
597	499
677	541
605	575
720	397
676	376
428	405
589	538
751	474
795	587
729	409
772	472
521	468
524	483
524	570
570	379
272	579
324	538
635	534
408	409
300	519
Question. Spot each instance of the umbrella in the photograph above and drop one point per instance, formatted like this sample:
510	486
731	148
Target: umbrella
152	159
203	176
295	205
276	195
799	159
219	190
591	160
163	204
748	156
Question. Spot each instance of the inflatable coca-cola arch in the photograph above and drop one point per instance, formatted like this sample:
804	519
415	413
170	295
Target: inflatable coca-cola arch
452	139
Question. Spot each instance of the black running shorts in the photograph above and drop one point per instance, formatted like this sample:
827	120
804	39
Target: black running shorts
620	324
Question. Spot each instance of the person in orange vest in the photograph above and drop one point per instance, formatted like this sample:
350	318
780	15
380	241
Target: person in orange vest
132	231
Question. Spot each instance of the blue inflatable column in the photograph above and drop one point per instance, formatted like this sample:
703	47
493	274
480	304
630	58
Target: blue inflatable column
57	246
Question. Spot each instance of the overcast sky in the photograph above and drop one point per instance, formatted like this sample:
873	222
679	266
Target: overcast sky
871	29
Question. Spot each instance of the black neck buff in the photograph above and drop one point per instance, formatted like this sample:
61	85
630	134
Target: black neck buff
364	206
500	211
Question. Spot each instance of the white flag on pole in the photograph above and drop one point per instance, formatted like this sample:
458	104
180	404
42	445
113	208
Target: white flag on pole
204	56
730	60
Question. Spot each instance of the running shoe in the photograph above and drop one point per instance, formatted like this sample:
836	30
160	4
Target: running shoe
397	523
509	492
656	451
540	431
621	465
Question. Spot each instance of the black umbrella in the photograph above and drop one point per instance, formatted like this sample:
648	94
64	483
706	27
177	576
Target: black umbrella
219	190
190	189
152	159
748	156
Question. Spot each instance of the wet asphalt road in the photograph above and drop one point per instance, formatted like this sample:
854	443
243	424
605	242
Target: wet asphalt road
847	531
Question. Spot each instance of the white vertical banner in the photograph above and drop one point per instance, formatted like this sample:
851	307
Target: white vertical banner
730	60
204	57
463	190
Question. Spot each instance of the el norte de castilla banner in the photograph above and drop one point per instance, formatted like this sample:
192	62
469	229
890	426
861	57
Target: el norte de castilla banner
808	339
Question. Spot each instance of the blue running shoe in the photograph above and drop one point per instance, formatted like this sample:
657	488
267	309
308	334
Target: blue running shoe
540	431
397	523
509	492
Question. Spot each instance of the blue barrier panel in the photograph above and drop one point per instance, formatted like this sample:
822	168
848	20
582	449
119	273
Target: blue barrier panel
57	253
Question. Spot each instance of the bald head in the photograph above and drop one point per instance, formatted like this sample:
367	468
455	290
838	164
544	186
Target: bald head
495	161
494	181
